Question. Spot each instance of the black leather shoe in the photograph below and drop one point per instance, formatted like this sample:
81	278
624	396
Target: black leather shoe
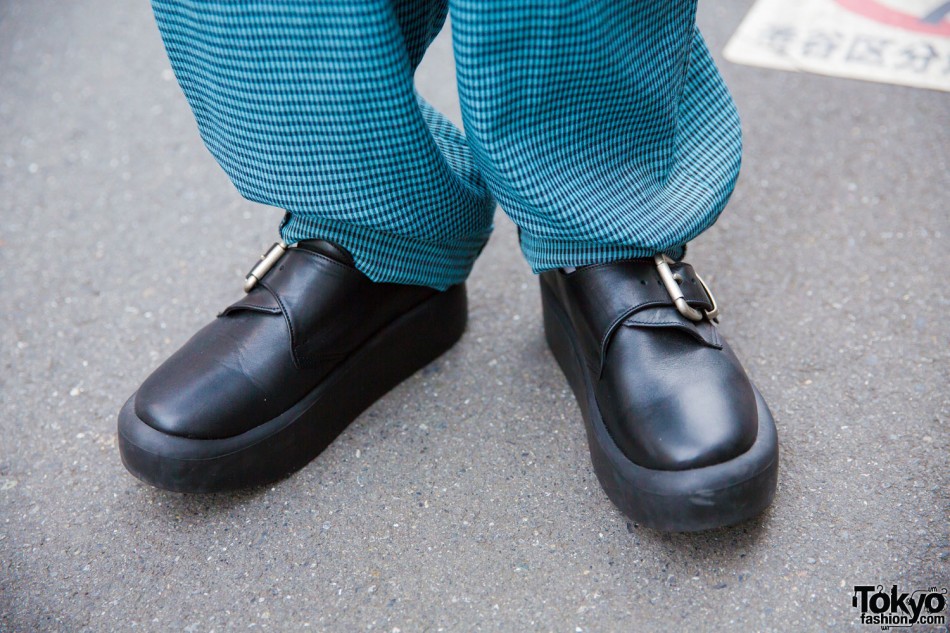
265	387
680	439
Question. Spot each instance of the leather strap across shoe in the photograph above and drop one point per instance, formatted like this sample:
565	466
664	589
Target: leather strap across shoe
679	436
263	388
604	297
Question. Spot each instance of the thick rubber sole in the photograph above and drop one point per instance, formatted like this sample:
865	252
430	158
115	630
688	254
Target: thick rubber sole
672	501
290	441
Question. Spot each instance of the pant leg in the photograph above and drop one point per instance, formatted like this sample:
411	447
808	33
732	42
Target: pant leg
310	106
602	128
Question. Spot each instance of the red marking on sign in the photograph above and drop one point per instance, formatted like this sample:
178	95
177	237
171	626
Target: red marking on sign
874	10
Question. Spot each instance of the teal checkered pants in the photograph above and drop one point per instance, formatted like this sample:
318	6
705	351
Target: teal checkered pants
602	128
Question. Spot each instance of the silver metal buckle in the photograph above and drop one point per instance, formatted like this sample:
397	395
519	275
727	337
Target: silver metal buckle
672	284
267	261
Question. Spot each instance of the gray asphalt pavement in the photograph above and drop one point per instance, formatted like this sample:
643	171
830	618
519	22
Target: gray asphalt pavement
464	500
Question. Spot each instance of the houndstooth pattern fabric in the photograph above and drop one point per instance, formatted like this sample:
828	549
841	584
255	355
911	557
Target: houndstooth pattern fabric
602	128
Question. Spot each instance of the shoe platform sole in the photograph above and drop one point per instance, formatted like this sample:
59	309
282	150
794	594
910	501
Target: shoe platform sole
672	501
290	441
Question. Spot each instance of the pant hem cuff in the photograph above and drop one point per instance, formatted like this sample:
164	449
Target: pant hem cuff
545	254
390	258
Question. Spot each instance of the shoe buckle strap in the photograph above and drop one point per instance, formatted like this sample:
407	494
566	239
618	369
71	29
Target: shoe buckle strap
671	281
266	262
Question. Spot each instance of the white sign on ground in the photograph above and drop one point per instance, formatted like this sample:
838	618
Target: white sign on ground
903	42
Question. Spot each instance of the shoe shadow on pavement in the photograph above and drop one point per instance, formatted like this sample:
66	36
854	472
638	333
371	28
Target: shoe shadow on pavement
205	504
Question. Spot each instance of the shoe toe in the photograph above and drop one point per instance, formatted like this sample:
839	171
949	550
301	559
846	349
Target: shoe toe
197	394
686	410
699	425
198	410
